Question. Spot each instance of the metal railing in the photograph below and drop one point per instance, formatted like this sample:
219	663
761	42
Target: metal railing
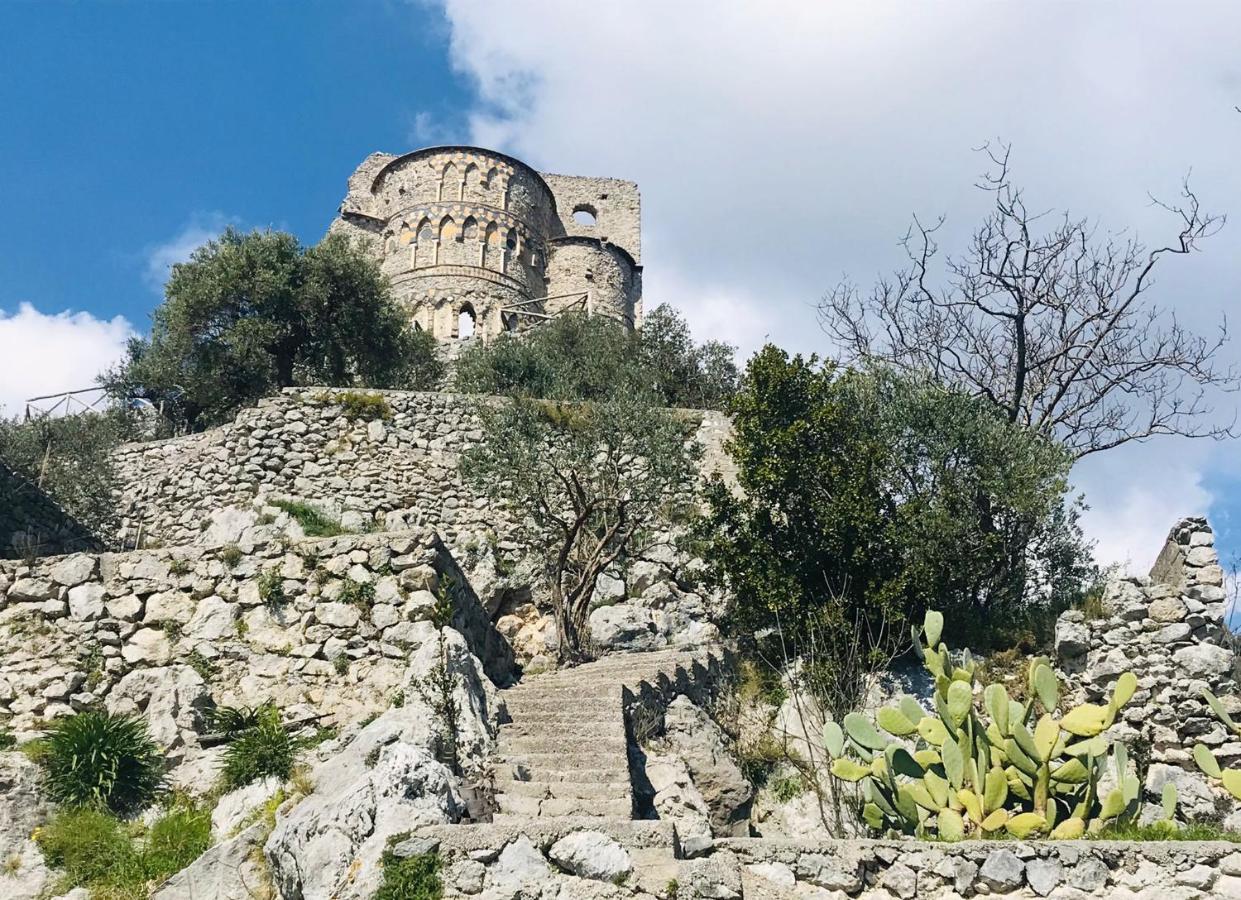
65	403
579	300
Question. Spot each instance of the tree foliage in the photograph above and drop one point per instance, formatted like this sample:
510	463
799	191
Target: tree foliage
868	496
69	459
592	481
581	357
252	313
1048	321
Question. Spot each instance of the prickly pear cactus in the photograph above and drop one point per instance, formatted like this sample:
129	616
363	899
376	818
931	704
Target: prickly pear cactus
1230	778
983	764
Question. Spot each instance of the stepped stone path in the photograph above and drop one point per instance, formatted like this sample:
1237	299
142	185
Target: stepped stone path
564	751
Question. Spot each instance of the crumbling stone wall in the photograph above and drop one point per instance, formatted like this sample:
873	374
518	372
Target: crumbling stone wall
280	622
1169	630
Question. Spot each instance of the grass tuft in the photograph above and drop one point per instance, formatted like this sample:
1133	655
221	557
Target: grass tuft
313	522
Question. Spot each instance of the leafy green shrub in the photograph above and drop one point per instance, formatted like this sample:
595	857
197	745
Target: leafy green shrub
103	760
258	752
7	741
788	787
364	406
340	665
359	593
94	850
410	878
205	668
271	588
313	522
1017	771
233	720
230	555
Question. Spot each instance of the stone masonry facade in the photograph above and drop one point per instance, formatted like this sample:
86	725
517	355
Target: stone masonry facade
478	243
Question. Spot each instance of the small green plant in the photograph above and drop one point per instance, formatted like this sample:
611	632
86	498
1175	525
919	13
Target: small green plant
265	750
340	665
179	566
760	758
92	665
231	721
398	698
1164	830
788	787
359	593
271	588
242	627
98	759
231	555
206	669
7	741
410	878
364	406
1024	769
173	629
265	519
372	757
314	523
672	890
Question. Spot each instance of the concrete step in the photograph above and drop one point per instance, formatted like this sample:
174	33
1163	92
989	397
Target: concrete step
567	806
565	761
585	790
504	775
514	744
527	727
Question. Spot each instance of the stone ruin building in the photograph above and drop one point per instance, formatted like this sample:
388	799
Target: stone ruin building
478	243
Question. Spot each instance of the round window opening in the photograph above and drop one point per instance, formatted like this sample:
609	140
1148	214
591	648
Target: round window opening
584	215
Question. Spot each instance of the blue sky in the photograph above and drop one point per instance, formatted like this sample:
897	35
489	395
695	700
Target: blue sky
778	146
128	123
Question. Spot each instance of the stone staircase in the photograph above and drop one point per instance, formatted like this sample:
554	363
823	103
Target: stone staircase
564	749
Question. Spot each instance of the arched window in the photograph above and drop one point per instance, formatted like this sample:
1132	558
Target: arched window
585	215
465	322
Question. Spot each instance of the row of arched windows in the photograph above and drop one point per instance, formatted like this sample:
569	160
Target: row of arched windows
471	183
470	243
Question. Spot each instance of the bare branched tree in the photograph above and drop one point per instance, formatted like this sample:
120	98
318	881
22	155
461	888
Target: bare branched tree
1051	322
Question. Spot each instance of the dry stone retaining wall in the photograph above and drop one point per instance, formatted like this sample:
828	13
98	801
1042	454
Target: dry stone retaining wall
324	628
1168	629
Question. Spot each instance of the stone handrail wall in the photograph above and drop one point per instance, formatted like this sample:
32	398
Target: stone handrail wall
1169	630
162	630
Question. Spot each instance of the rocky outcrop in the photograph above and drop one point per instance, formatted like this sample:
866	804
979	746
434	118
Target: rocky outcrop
228	871
387	780
692	736
22	810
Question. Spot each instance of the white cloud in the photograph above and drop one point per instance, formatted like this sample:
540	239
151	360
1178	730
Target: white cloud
48	353
160	258
780	145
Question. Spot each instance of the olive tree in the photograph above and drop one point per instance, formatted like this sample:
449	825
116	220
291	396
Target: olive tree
591	483
249	314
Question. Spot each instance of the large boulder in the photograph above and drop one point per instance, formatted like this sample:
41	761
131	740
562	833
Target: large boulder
387	780
227	871
591	854
172	699
692	735
22	809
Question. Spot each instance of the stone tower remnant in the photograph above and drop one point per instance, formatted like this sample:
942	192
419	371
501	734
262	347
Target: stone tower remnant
477	243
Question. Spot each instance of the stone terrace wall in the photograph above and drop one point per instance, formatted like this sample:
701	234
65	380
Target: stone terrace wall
299	443
163	630
1168	629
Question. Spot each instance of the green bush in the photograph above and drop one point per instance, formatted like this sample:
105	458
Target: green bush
364	406
95	850
411	878
258	752
7	741
231	555
233	720
271	588
102	760
359	593
313	522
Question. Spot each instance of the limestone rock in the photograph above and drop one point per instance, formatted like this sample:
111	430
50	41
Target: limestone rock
520	863
232	809
1072	639
172	699
73	570
624	627
227	871
22	809
147	646
1043	875
86	601
591	854
692	735
213	620
1204	660
1002	871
